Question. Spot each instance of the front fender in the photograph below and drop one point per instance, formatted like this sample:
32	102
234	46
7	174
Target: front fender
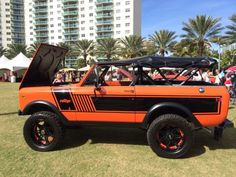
41	105
38	103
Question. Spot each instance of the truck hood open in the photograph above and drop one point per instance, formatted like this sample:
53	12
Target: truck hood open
44	66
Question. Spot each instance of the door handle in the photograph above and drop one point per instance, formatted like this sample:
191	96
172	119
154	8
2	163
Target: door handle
130	91
201	90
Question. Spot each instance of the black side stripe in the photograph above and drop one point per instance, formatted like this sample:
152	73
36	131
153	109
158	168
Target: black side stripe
195	105
64	99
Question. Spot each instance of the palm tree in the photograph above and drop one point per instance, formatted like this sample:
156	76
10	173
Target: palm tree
15	49
32	49
69	53
228	58
107	47
201	30
231	33
149	47
2	51
132	46
184	48
164	40
84	47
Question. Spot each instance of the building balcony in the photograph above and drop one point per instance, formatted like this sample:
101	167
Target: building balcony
42	40
17	2
41	29
103	16
104	36
75	32
70	19
41	17
40	4
65	1
69	26
18	30
18	41
104	22
18	25
71	39
18	37
17	7
17	13
104	8
41	35
104	30
70	6
45	10
40	23
74	13
100	2
18	19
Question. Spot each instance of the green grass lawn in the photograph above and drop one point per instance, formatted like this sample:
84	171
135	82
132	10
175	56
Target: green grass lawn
106	152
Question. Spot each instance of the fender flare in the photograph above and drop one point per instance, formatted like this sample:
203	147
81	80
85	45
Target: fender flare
51	107
167	105
28	107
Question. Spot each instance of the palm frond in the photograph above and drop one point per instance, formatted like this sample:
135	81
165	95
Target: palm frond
231	33
131	46
201	30
15	49
164	40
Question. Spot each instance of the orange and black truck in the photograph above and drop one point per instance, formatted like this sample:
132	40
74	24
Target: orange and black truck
123	93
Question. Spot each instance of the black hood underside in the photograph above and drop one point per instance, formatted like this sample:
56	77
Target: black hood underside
44	66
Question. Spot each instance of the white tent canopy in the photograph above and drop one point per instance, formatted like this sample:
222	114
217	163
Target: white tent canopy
17	63
86	68
3	60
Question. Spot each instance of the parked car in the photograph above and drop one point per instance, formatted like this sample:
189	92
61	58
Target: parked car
170	110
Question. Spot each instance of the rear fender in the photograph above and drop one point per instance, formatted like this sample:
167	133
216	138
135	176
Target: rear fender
168	108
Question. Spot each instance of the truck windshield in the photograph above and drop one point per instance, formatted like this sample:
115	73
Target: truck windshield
93	76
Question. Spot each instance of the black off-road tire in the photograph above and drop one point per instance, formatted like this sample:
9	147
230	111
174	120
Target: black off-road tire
35	133
170	128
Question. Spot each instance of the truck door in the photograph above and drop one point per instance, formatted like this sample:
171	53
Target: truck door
111	101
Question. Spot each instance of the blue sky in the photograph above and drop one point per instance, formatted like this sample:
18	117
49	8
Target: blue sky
169	14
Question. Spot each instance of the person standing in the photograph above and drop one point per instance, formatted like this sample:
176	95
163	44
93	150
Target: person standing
58	78
228	82
205	76
217	78
63	75
233	79
73	76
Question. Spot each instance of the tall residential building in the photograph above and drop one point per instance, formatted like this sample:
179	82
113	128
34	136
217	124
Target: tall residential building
12	28
55	21
229	47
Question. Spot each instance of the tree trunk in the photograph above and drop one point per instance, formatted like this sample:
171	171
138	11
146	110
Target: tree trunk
201	48
108	57
162	52
85	59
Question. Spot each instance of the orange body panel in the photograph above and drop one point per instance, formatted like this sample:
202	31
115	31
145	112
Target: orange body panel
30	94
85	110
206	119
